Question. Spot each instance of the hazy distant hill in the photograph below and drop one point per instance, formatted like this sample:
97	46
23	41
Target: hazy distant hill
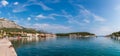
4	23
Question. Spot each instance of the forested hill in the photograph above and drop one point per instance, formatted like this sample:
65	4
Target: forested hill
77	33
115	34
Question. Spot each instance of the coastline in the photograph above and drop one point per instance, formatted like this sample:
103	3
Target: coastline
6	48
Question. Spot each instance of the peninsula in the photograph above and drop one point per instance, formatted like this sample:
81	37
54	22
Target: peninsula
114	34
77	34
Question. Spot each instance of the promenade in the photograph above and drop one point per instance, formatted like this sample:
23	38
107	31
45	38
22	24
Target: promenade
6	48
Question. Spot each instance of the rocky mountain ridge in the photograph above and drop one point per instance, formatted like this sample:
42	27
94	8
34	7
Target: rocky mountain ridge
5	23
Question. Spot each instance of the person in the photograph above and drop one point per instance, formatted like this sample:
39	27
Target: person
10	46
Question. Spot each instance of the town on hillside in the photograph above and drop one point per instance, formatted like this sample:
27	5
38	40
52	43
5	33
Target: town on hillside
12	30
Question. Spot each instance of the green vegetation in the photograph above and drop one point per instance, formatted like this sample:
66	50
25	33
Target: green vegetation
62	34
82	33
77	33
8	30
115	34
17	32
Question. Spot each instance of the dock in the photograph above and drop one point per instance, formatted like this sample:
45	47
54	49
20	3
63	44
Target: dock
6	48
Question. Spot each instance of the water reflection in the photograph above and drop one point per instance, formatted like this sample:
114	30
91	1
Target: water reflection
116	39
76	38
26	41
82	38
66	46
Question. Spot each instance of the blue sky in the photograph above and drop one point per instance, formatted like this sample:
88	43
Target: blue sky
97	16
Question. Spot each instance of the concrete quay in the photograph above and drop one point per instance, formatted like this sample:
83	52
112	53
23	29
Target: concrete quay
6	48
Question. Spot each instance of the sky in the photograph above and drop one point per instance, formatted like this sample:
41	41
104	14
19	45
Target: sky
62	16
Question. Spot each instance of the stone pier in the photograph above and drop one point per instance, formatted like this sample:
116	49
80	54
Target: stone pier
6	48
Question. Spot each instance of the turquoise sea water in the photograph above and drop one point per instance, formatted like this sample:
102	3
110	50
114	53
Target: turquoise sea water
65	46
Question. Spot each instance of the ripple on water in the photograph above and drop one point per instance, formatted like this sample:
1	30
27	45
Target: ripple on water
100	46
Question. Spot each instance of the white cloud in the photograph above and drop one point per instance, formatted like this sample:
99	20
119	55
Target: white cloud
84	16
88	14
98	18
41	4
72	19
16	3
55	28
75	21
41	16
50	16
4	2
44	7
29	18
19	9
22	7
86	21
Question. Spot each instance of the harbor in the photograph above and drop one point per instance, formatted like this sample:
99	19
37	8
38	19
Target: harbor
7	47
64	46
59	28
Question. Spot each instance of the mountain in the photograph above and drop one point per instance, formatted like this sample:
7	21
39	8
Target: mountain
10	26
5	23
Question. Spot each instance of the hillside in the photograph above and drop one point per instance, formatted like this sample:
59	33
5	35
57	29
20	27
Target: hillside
82	34
10	28
115	34
5	23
